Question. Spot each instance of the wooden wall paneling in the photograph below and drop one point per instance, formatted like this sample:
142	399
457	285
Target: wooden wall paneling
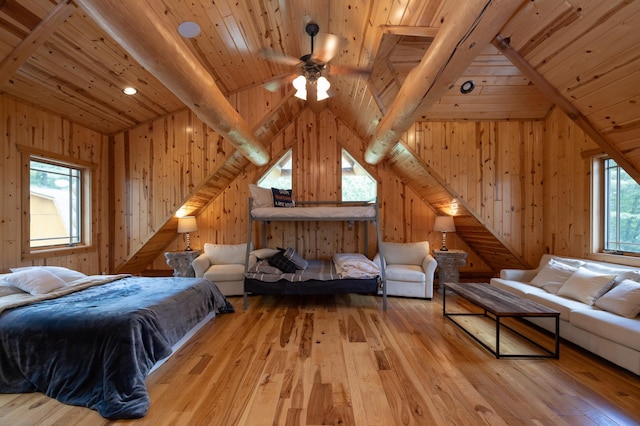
533	220
566	188
11	217
29	126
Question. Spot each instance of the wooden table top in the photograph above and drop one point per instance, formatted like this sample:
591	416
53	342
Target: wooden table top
500	302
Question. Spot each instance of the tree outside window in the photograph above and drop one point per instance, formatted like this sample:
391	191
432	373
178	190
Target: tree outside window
621	210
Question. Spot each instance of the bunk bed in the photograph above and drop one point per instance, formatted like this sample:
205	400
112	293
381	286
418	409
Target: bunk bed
322	276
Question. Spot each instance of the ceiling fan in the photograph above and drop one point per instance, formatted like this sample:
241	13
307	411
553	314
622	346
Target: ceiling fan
313	68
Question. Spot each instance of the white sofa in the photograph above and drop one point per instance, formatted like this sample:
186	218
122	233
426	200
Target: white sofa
409	269
224	265
609	335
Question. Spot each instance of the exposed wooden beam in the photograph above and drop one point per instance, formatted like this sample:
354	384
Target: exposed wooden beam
564	104
405	30
36	38
153	41
462	37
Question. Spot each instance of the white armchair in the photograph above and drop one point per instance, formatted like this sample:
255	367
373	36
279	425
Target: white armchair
409	269
223	264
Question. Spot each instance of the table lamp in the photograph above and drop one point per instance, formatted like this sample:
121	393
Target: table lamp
187	224
444	224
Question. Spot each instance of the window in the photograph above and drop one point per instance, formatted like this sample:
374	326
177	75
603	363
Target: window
56	204
279	176
621	221
357	184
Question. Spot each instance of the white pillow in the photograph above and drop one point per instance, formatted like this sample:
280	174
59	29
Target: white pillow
35	281
586	286
67	275
623	299
553	272
264	253
262	197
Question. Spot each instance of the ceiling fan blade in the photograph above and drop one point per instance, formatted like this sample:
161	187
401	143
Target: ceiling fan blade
328	46
277	82
278	57
348	71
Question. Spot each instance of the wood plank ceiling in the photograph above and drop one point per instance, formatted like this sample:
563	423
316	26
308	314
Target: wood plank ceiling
582	55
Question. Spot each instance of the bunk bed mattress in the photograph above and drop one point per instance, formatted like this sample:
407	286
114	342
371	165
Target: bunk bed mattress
94	347
315	213
320	277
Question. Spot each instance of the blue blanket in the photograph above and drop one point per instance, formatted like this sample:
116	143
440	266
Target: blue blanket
95	347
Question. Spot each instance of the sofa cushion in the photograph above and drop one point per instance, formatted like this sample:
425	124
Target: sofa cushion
623	299
625	331
410	273
586	286
405	253
229	272
224	254
561	304
621	273
554	272
516	287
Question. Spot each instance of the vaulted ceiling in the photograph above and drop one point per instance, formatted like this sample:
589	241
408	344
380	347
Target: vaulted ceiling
74	58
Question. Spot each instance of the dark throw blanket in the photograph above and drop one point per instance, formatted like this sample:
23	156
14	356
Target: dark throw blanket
95	347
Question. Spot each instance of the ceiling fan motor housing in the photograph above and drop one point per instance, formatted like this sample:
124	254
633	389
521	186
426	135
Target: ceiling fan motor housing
312	29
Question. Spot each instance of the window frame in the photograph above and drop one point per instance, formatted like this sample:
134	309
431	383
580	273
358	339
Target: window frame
88	231
375	181
598	211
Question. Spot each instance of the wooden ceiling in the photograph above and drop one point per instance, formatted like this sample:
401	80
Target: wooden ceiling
57	57
524	57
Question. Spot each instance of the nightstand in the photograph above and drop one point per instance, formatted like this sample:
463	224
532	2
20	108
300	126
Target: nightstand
180	261
448	264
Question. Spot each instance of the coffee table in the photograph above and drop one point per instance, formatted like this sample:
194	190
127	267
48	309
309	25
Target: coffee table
497	304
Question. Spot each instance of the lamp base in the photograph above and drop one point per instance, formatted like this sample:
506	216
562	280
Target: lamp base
188	243
443	248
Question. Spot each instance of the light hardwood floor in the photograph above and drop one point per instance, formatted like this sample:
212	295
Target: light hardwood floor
342	360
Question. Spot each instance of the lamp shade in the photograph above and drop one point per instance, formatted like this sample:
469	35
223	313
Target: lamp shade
444	224
187	224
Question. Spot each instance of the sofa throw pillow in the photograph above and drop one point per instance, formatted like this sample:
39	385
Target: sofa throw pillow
279	261
296	258
282	197
553	272
623	299
35	281
262	197
586	286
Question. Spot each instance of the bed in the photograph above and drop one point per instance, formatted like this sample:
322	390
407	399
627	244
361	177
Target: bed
263	211
121	325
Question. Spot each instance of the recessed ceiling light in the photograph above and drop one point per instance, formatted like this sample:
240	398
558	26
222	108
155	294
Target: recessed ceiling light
189	29
129	91
467	87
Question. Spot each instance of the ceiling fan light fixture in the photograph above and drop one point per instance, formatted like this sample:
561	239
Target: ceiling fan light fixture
300	84
322	85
